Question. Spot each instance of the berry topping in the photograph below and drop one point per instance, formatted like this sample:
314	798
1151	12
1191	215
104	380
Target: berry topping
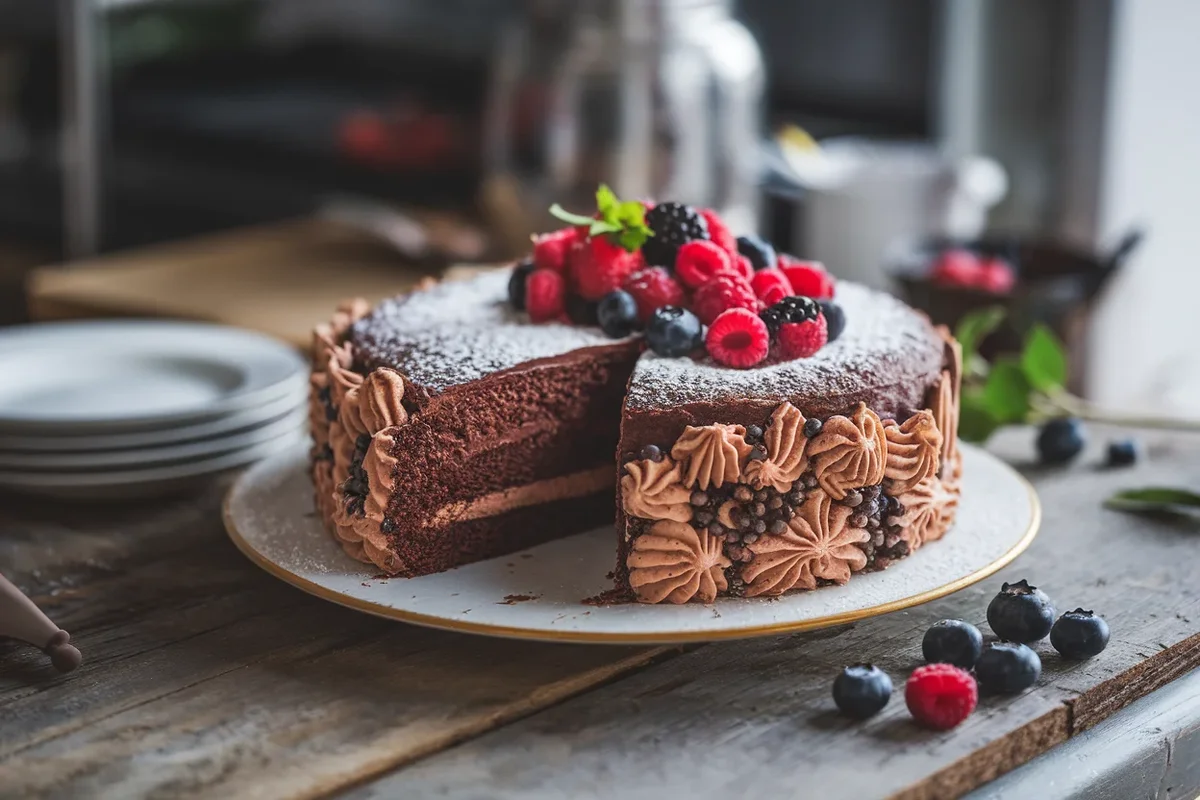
812	426
1122	453
1079	634
808	278
1020	613
738	338
758	250
617	314
597	267
790	309
718	232
771	286
653	288
742	266
581	311
996	276
673	332
862	690
550	249
674	225
1007	668
1060	440
545	295
835	318
699	261
721	293
940	696
952	641
516	284
802	339
956	267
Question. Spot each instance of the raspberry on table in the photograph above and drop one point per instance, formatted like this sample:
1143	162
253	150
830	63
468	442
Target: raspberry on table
808	278
738	338
771	286
550	249
545	295
721	293
652	288
718	232
940	696
698	261
597	266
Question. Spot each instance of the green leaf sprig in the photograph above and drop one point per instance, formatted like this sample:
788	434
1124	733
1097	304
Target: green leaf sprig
624	222
1156	500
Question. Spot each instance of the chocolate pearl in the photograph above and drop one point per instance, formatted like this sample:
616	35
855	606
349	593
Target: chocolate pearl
795	497
853	498
775	502
699	499
733	537
628	455
810	481
812	427
750	538
387	526
777	527
787	512
735	552
743	494
877	539
759	453
759	526
758	510
746	555
716	529
754	432
859	520
900	549
743	521
891	540
651	452
704	518
761	495
872	492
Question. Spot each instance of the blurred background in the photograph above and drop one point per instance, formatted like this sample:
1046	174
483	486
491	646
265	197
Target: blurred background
412	135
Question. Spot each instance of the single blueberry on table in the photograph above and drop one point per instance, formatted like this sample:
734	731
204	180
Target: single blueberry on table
952	641
1007	668
1021	613
1060	440
1079	634
862	690
1122	453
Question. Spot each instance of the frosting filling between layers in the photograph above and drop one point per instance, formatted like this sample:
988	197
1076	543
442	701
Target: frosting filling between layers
577	484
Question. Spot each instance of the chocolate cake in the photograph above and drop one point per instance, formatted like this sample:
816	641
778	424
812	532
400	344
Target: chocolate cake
448	427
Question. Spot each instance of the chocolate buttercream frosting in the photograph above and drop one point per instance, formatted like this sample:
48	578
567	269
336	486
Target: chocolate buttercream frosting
675	563
849	452
786	458
712	455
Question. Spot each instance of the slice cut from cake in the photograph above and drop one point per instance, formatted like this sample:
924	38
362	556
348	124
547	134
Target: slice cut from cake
449	427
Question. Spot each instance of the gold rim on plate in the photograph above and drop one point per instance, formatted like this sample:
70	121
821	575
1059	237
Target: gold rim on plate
509	632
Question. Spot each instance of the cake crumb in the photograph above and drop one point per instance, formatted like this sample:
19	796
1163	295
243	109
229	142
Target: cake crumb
513	599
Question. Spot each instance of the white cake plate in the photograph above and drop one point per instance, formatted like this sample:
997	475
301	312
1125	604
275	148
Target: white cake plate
539	593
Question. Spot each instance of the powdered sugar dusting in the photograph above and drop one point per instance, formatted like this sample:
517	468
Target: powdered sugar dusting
885	341
459	332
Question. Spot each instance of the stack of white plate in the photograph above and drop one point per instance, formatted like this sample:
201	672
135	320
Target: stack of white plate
132	408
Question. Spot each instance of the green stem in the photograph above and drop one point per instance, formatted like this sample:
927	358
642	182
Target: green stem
1066	404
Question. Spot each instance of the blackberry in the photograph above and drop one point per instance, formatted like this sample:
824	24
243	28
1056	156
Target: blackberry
789	309
674	225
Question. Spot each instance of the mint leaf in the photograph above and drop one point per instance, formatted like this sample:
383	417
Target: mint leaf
975	326
558	212
606	202
975	423
1043	359
1006	392
1156	499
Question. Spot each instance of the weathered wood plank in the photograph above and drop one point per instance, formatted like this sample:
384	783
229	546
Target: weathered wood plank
756	719
206	677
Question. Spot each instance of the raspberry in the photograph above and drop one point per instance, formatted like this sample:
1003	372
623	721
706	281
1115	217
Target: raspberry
597	267
738	338
700	260
719	233
808	278
721	293
743	266
653	287
996	276
770	285
957	267
940	696
803	339
550	249
545	295
790	309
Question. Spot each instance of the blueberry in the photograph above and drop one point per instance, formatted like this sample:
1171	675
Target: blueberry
1007	668
516	284
673	332
580	311
1021	613
835	318
1122	453
952	641
862	690
1079	634
758	250
617	313
1060	440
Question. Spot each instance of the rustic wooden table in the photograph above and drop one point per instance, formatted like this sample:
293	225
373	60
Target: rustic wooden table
207	678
